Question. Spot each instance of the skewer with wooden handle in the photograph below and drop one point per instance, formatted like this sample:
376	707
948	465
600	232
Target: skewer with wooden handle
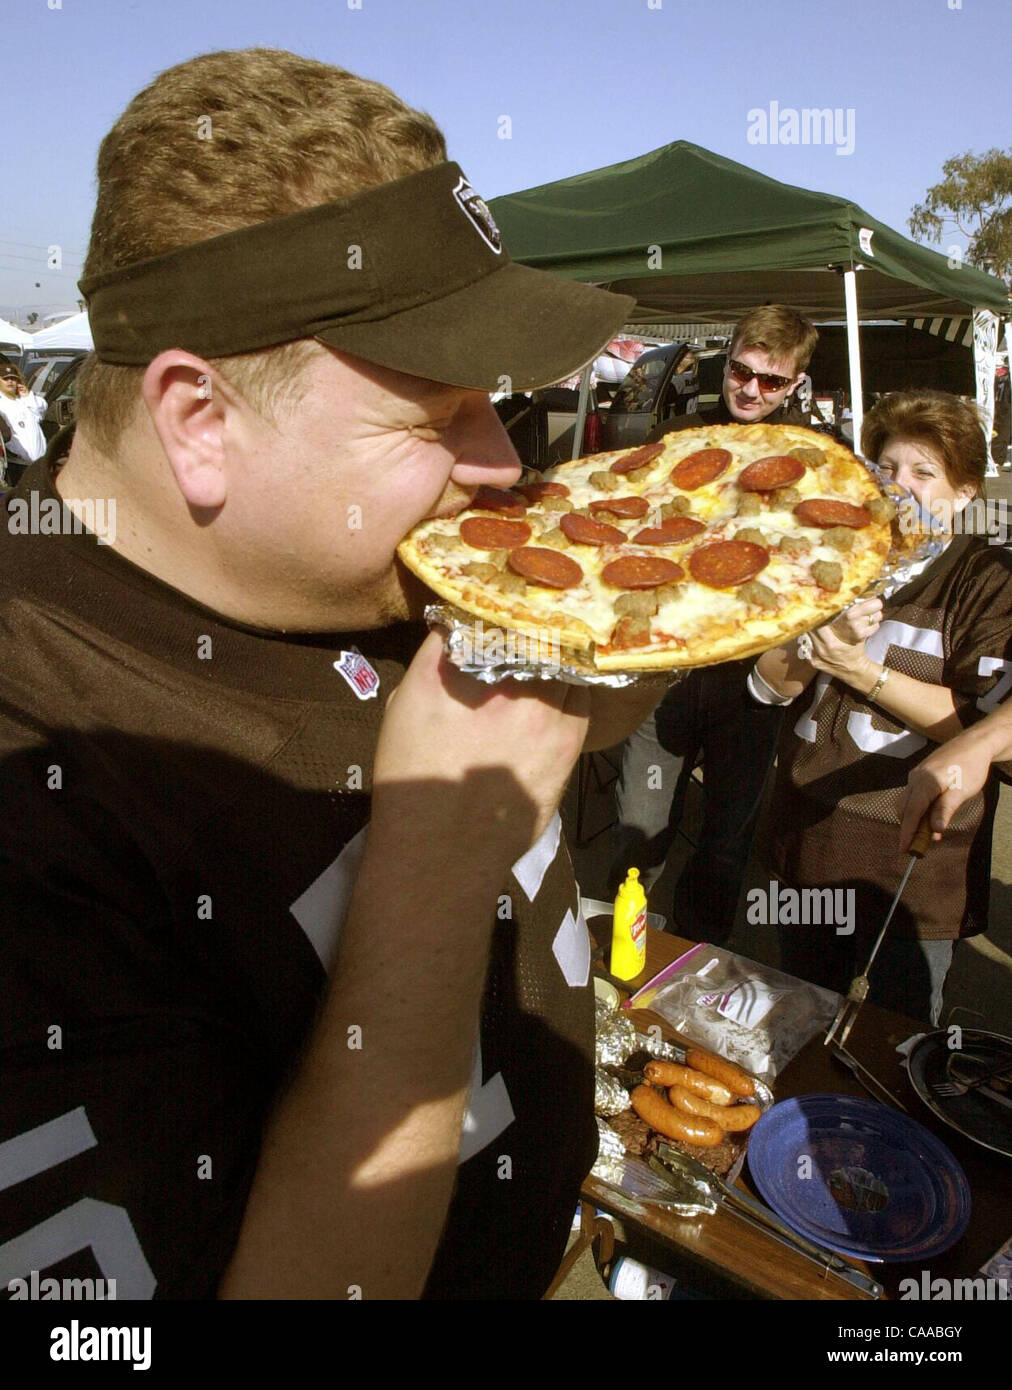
858	992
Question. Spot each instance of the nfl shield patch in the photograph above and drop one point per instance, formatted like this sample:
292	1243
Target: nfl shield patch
363	680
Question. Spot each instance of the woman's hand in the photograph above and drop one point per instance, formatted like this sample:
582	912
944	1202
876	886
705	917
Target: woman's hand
858	622
954	773
838	648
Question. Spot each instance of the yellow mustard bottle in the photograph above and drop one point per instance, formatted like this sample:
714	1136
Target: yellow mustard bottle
629	929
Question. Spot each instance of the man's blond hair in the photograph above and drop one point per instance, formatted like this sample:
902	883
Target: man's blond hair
779	331
221	142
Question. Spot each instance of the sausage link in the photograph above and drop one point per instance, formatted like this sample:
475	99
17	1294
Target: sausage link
721	1070
732	1118
666	1120
671	1074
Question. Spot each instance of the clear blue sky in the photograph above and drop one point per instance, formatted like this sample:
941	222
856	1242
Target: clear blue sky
584	82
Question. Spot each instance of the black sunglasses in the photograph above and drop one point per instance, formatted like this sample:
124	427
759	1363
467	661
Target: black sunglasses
768	381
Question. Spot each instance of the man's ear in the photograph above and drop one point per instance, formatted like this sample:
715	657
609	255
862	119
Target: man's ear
188	402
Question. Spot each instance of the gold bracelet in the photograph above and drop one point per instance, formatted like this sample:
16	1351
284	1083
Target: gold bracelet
876	689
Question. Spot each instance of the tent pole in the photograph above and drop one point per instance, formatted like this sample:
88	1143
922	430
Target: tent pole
581	410
854	353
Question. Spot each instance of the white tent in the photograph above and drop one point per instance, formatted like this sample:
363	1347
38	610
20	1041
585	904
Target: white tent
11	336
74	332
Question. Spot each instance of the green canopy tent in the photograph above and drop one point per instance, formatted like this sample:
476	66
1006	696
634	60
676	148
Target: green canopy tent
693	235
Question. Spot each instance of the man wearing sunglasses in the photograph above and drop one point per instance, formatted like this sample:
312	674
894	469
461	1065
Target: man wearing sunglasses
769	352
711	714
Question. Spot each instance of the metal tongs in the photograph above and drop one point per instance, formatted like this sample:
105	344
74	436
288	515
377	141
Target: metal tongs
745	1206
846	1014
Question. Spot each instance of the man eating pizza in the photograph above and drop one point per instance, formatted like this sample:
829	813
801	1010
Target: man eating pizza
299	307
710	713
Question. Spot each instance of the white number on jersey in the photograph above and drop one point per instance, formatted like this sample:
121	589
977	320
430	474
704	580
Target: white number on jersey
106	1229
859	725
987	667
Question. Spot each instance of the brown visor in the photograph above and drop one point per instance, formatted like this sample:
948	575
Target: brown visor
411	275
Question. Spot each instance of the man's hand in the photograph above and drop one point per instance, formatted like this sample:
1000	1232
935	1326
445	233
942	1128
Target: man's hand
448	739
615	714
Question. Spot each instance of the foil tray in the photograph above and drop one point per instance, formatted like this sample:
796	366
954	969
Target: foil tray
631	1181
501	657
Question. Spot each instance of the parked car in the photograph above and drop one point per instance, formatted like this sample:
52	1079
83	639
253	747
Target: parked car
542	425
41	371
663	383
560	406
60	395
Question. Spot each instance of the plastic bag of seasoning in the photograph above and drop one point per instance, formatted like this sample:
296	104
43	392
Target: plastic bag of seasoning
755	1016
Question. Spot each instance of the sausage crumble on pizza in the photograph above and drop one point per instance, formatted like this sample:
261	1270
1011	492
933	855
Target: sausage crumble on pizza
711	544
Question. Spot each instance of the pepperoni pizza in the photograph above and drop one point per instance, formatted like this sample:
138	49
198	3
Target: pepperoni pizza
708	545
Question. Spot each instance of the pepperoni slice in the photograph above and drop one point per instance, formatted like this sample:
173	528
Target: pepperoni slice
488	533
823	511
726	564
622	506
544	566
701	467
672	531
534	492
645	454
765	475
641	572
583	531
497	499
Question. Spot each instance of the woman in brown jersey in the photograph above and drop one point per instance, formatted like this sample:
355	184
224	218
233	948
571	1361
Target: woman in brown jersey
871	693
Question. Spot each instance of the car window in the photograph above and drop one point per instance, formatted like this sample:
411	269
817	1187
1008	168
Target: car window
682	386
640	386
48	373
711	375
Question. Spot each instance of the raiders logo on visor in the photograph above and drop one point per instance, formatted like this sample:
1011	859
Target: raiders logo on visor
476	210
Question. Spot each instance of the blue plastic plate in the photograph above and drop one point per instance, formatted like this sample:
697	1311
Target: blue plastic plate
860	1178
